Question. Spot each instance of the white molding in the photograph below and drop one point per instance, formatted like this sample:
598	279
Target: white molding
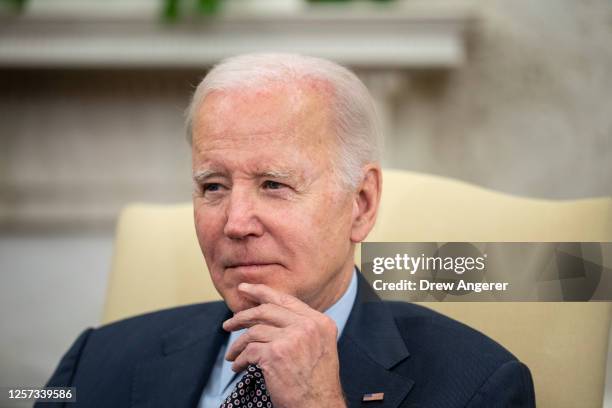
389	37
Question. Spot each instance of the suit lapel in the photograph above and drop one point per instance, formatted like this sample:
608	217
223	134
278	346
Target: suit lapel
369	348
176	377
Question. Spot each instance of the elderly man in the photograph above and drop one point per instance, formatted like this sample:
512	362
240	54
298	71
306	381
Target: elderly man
287	181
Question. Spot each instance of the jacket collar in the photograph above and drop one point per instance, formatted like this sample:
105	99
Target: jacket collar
369	348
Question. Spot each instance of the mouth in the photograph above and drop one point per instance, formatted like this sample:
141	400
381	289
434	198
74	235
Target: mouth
249	265
251	272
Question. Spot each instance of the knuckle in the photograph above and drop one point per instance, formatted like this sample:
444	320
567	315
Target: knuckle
248	335
251	350
277	351
329	325
253	313
334	329
297	339
286	300
264	309
310	327
254	332
241	316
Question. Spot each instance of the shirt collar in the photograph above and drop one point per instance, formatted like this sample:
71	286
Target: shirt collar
340	311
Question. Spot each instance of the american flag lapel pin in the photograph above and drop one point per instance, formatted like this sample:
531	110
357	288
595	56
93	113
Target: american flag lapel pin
377	396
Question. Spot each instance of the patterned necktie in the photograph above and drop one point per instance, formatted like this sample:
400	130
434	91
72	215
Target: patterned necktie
250	392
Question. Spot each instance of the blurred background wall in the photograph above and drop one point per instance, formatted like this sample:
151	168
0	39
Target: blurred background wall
520	104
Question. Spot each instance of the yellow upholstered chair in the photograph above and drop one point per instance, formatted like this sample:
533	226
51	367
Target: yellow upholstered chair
158	264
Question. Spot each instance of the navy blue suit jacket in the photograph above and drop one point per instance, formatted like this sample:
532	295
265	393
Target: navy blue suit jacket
415	356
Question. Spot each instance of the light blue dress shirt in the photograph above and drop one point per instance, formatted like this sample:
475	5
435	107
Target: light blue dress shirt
223	380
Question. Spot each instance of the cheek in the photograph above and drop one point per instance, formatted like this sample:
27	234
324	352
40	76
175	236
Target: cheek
337	227
200	225
324	233
207	227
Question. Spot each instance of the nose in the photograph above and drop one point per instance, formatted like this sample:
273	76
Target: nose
242	220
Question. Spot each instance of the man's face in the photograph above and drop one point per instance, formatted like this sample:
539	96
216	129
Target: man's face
268	207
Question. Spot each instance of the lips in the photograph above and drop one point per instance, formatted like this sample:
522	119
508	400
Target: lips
237	261
251	272
250	264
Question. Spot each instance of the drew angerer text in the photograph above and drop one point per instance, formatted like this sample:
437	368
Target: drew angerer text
424	284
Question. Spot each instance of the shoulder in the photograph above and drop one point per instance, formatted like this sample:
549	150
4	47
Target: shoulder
143	335
109	354
426	330
455	361
162	320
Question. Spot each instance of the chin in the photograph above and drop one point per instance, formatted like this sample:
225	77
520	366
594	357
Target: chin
237	303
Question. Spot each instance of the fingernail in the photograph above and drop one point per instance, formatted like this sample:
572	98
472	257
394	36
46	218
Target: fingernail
243	286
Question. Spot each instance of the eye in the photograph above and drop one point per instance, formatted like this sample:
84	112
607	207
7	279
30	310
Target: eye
272	185
211	187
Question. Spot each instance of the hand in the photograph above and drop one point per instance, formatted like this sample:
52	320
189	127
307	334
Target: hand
293	344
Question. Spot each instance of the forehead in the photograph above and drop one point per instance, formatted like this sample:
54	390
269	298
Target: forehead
295	114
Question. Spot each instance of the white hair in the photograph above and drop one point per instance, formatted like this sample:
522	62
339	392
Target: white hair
354	117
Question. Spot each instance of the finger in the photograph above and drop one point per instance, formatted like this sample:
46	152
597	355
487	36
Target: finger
259	333
267	313
250	355
264	294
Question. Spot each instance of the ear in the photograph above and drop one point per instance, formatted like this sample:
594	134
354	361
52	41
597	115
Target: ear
365	204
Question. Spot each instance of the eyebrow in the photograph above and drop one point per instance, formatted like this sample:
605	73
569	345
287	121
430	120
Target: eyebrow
278	174
201	175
